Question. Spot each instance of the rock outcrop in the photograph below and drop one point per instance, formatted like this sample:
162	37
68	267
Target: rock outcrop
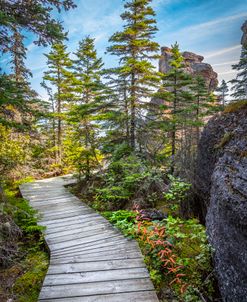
193	65
244	37
222	187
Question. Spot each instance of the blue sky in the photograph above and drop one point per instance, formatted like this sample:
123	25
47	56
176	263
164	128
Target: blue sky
207	27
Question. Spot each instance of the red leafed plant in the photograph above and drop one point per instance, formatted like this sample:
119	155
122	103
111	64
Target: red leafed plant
152	237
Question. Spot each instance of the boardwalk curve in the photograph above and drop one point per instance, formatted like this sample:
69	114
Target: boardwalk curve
90	260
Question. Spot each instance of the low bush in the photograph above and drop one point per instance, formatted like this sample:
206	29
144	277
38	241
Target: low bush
26	257
176	253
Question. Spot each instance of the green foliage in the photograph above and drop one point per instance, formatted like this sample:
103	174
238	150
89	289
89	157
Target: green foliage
27	286
240	82
12	151
130	178
194	255
176	193
31	258
25	217
123	220
176	252
84	114
36	19
135	48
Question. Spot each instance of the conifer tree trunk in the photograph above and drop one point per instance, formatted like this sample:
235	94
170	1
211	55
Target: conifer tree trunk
59	123
174	127
133	113
197	119
126	110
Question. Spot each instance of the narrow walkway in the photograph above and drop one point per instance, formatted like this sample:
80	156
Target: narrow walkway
90	261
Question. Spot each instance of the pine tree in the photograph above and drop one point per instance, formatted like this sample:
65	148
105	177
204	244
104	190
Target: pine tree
31	16
61	80
223	90
117	114
178	99
202	104
18	54
240	83
91	94
135	48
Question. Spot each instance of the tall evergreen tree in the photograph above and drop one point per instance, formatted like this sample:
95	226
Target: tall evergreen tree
18	54
178	99
61	80
240	83
117	118
135	48
223	90
202	104
90	96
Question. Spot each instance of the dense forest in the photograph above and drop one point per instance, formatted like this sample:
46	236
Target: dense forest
130	134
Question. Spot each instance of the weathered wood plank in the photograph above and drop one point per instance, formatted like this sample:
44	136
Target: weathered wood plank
95	288
141	296
97	276
95	266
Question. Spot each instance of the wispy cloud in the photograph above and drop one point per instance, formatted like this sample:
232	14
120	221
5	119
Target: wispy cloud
227	72
218	21
197	33
222	51
225	63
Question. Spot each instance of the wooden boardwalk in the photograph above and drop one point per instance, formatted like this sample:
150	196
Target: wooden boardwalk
90	260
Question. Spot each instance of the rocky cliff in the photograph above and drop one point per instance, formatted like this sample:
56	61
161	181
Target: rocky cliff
193	65
222	187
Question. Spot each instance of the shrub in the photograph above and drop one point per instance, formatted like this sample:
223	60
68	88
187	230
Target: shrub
176	193
176	252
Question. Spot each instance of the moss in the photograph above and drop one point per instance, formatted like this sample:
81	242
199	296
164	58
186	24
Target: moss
243	154
224	140
24	279
235	106
27	286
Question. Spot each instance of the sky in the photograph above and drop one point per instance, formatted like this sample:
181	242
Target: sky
210	28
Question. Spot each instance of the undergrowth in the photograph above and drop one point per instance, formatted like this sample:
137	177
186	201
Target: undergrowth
176	253
23	269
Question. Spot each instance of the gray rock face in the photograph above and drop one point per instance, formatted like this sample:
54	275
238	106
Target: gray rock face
222	168
193	65
244	37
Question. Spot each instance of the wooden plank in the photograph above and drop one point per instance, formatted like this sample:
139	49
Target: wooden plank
95	266
108	246
113	255
79	235
97	276
77	225
110	242
141	296
96	288
72	245
77	229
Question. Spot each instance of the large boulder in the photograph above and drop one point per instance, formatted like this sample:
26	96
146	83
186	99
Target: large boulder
222	190
194	65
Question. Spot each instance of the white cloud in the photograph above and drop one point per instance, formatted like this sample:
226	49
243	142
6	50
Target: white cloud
225	63
222	51
213	23
199	33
